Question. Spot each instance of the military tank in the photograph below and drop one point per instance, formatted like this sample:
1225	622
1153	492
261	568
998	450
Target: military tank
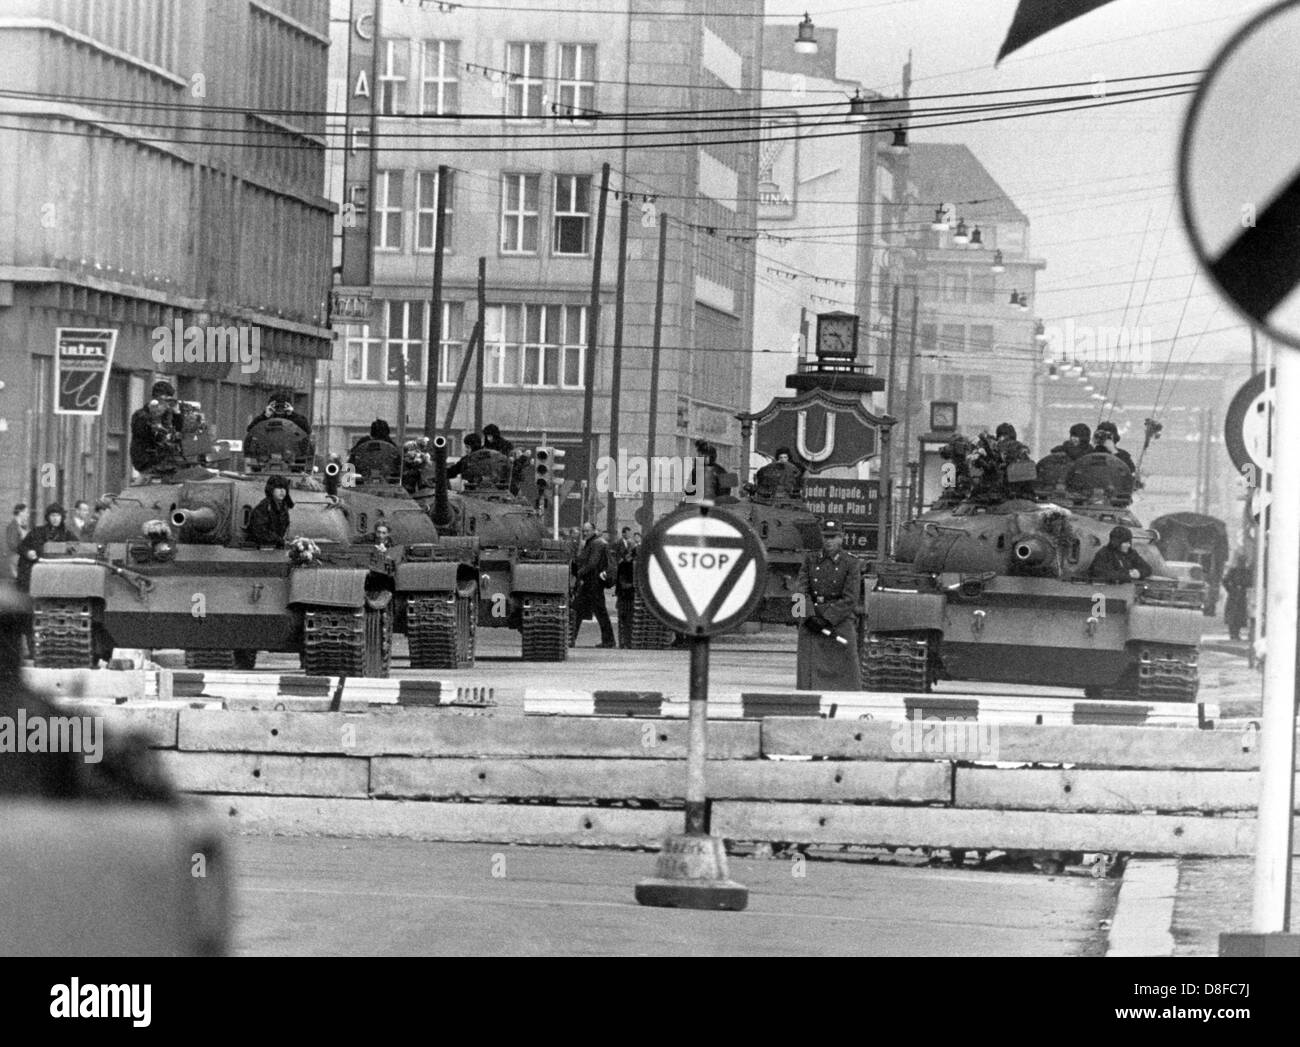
170	565
995	587
496	568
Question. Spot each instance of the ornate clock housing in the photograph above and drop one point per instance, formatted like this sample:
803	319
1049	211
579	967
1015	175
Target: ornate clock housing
837	335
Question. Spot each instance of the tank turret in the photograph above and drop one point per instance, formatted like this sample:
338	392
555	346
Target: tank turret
277	445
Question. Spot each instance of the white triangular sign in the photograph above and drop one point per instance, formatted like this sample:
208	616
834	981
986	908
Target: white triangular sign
700	572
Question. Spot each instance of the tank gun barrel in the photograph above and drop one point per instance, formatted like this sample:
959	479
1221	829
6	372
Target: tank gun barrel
1032	550
201	521
332	471
441	504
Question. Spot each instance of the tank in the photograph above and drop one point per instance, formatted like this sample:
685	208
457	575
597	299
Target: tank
1200	539
170	565
498	568
995	588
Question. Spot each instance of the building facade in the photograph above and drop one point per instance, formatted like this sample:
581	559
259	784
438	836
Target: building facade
972	345
524	108
163	166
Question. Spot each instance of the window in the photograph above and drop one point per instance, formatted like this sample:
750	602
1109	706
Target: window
981	288
392	77
362	358
426	209
535	345
519	213
577	82
388	210
404	322
439	83
572	214
452	342
952	287
952	338
525	65
981	339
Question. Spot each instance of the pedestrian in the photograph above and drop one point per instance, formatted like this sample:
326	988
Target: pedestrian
623	554
30	548
830	584
1237	580
1078	444
591	571
1118	562
14	535
269	521
80	523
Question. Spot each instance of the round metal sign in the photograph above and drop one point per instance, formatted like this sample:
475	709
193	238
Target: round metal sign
1245	427
1238	178
702	571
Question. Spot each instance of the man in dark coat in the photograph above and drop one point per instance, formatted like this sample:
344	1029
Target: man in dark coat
830	584
1106	440
269	521
591	570
1118	562
494	441
1079	443
280	405
155	430
1237	580
780	478
29	549
622	556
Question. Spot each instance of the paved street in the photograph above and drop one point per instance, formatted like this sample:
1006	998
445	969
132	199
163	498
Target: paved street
317	897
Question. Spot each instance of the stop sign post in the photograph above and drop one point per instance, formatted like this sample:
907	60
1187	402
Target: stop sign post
701	572
1240	197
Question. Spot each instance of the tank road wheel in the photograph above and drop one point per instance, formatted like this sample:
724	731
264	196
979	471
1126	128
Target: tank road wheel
902	662
65	634
545	628
441	630
211	660
648	632
379	634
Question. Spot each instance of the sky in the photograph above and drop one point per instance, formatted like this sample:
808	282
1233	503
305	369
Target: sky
1090	182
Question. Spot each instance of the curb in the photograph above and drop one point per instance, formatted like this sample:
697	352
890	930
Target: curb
1144	911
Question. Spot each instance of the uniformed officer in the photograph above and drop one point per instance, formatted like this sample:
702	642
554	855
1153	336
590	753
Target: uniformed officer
830	583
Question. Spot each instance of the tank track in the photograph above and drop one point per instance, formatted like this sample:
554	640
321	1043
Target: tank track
897	663
544	628
440	631
340	641
648	632
65	634
1167	673
209	659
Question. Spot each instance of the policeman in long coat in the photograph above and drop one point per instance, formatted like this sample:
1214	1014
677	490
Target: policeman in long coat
830	583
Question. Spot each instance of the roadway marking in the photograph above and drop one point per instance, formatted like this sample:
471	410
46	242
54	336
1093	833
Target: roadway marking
1144	914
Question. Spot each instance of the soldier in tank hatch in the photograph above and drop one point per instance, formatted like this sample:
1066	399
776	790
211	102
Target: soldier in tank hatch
1118	562
1077	444
156	429
269	521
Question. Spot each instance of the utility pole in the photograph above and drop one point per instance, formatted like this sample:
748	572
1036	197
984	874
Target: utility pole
616	384
648	499
482	334
593	330
910	395
888	472
433	361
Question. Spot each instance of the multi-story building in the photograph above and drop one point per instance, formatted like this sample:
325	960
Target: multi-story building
162	163
973	345
524	107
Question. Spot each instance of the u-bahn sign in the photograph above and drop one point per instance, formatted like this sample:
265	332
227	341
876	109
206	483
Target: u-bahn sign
823	430
702	571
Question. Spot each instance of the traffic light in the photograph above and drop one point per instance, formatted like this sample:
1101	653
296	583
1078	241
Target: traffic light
548	468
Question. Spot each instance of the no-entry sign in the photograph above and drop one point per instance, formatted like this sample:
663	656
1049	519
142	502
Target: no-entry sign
702	571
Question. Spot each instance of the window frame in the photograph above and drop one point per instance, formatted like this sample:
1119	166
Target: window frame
519	82
522	180
432	211
448	52
557	215
396	98
382	209
575	84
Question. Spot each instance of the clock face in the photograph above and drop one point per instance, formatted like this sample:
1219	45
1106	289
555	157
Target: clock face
835	335
944	416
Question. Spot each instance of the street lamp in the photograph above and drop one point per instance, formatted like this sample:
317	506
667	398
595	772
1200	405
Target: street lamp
899	144
805	43
940	223
997	266
976	237
960	235
858	107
